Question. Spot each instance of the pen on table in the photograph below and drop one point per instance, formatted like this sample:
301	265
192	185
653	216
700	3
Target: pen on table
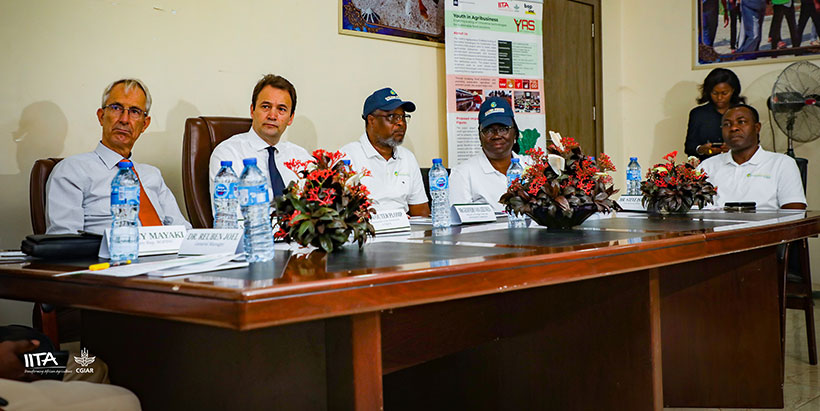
103	266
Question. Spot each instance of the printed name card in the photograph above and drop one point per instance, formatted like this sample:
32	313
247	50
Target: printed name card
631	203
154	240
473	213
203	241
386	221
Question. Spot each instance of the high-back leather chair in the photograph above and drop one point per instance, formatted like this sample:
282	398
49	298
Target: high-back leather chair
202	134
37	192
43	316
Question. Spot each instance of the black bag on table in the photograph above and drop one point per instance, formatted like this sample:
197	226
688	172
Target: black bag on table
62	245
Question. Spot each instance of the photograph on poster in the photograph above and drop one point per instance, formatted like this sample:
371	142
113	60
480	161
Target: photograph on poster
469	100
755	31
507	95
412	21
527	102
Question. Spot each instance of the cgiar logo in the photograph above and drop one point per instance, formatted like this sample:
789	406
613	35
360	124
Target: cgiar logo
84	360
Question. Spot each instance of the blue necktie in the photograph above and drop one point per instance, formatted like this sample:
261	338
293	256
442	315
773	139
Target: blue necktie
276	182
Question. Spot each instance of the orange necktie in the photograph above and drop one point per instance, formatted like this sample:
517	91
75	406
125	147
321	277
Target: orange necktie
148	214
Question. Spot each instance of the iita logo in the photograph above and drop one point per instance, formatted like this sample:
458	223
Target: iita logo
84	360
492	104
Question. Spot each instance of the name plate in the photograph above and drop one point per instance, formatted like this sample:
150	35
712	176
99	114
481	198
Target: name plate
387	221
473	213
154	240
631	203
203	241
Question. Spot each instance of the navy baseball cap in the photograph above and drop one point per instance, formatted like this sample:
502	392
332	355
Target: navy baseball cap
495	110
385	99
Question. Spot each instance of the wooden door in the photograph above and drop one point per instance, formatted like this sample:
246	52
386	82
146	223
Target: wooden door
572	74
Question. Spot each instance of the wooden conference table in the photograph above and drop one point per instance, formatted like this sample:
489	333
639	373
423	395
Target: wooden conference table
630	312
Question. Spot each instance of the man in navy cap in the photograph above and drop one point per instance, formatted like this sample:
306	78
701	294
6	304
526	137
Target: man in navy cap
483	178
395	179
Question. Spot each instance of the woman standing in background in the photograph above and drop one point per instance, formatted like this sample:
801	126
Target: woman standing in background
719	91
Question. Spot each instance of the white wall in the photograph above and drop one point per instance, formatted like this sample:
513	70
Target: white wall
650	86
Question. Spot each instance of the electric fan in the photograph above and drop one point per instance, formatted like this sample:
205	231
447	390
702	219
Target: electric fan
794	103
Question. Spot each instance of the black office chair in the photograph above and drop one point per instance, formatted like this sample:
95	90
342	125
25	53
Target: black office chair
798	277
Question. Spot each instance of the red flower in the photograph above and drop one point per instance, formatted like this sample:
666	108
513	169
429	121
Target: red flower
671	156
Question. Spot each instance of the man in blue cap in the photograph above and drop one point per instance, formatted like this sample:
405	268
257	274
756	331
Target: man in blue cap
483	178
395	178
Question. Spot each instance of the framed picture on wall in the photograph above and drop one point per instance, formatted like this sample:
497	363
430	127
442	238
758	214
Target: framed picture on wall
731	32
410	21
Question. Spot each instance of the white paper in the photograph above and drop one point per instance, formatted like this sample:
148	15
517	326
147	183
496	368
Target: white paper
132	270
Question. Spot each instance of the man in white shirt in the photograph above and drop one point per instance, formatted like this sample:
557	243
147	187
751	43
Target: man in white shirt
78	191
395	178
483	178
748	172
272	107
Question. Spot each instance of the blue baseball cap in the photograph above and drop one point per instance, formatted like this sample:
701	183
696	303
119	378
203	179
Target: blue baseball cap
385	99
495	110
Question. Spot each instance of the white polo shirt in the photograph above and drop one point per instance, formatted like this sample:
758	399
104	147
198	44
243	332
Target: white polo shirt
769	179
394	183
477	181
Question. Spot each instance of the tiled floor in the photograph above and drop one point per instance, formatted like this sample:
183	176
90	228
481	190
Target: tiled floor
802	386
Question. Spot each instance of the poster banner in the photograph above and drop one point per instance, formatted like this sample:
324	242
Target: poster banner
493	48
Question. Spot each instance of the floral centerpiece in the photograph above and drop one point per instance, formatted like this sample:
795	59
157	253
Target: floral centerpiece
327	207
675	188
564	187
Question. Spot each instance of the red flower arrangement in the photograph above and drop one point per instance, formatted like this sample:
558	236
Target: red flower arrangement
327	207
675	188
563	188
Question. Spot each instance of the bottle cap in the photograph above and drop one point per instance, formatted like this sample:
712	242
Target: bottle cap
125	164
436	161
346	162
633	158
515	160
226	163
249	161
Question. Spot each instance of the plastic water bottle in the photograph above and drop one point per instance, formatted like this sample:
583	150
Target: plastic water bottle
124	241
513	172
225	201
439	187
255	205
633	177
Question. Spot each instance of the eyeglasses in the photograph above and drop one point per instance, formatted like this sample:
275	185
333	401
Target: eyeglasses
495	130
394	118
134	112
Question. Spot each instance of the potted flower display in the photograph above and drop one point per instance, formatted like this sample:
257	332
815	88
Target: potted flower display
327	207
563	188
672	188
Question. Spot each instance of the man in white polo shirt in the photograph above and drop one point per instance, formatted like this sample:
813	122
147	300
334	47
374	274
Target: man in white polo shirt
272	106
748	172
395	179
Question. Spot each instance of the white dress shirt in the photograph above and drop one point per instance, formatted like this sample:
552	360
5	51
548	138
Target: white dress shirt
769	179
250	145
394	183
477	181
78	193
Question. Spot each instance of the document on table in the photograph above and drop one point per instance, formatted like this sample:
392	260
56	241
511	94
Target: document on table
184	265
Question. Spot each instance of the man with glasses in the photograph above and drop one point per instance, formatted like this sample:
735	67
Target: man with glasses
395	178
483	178
79	188
273	104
